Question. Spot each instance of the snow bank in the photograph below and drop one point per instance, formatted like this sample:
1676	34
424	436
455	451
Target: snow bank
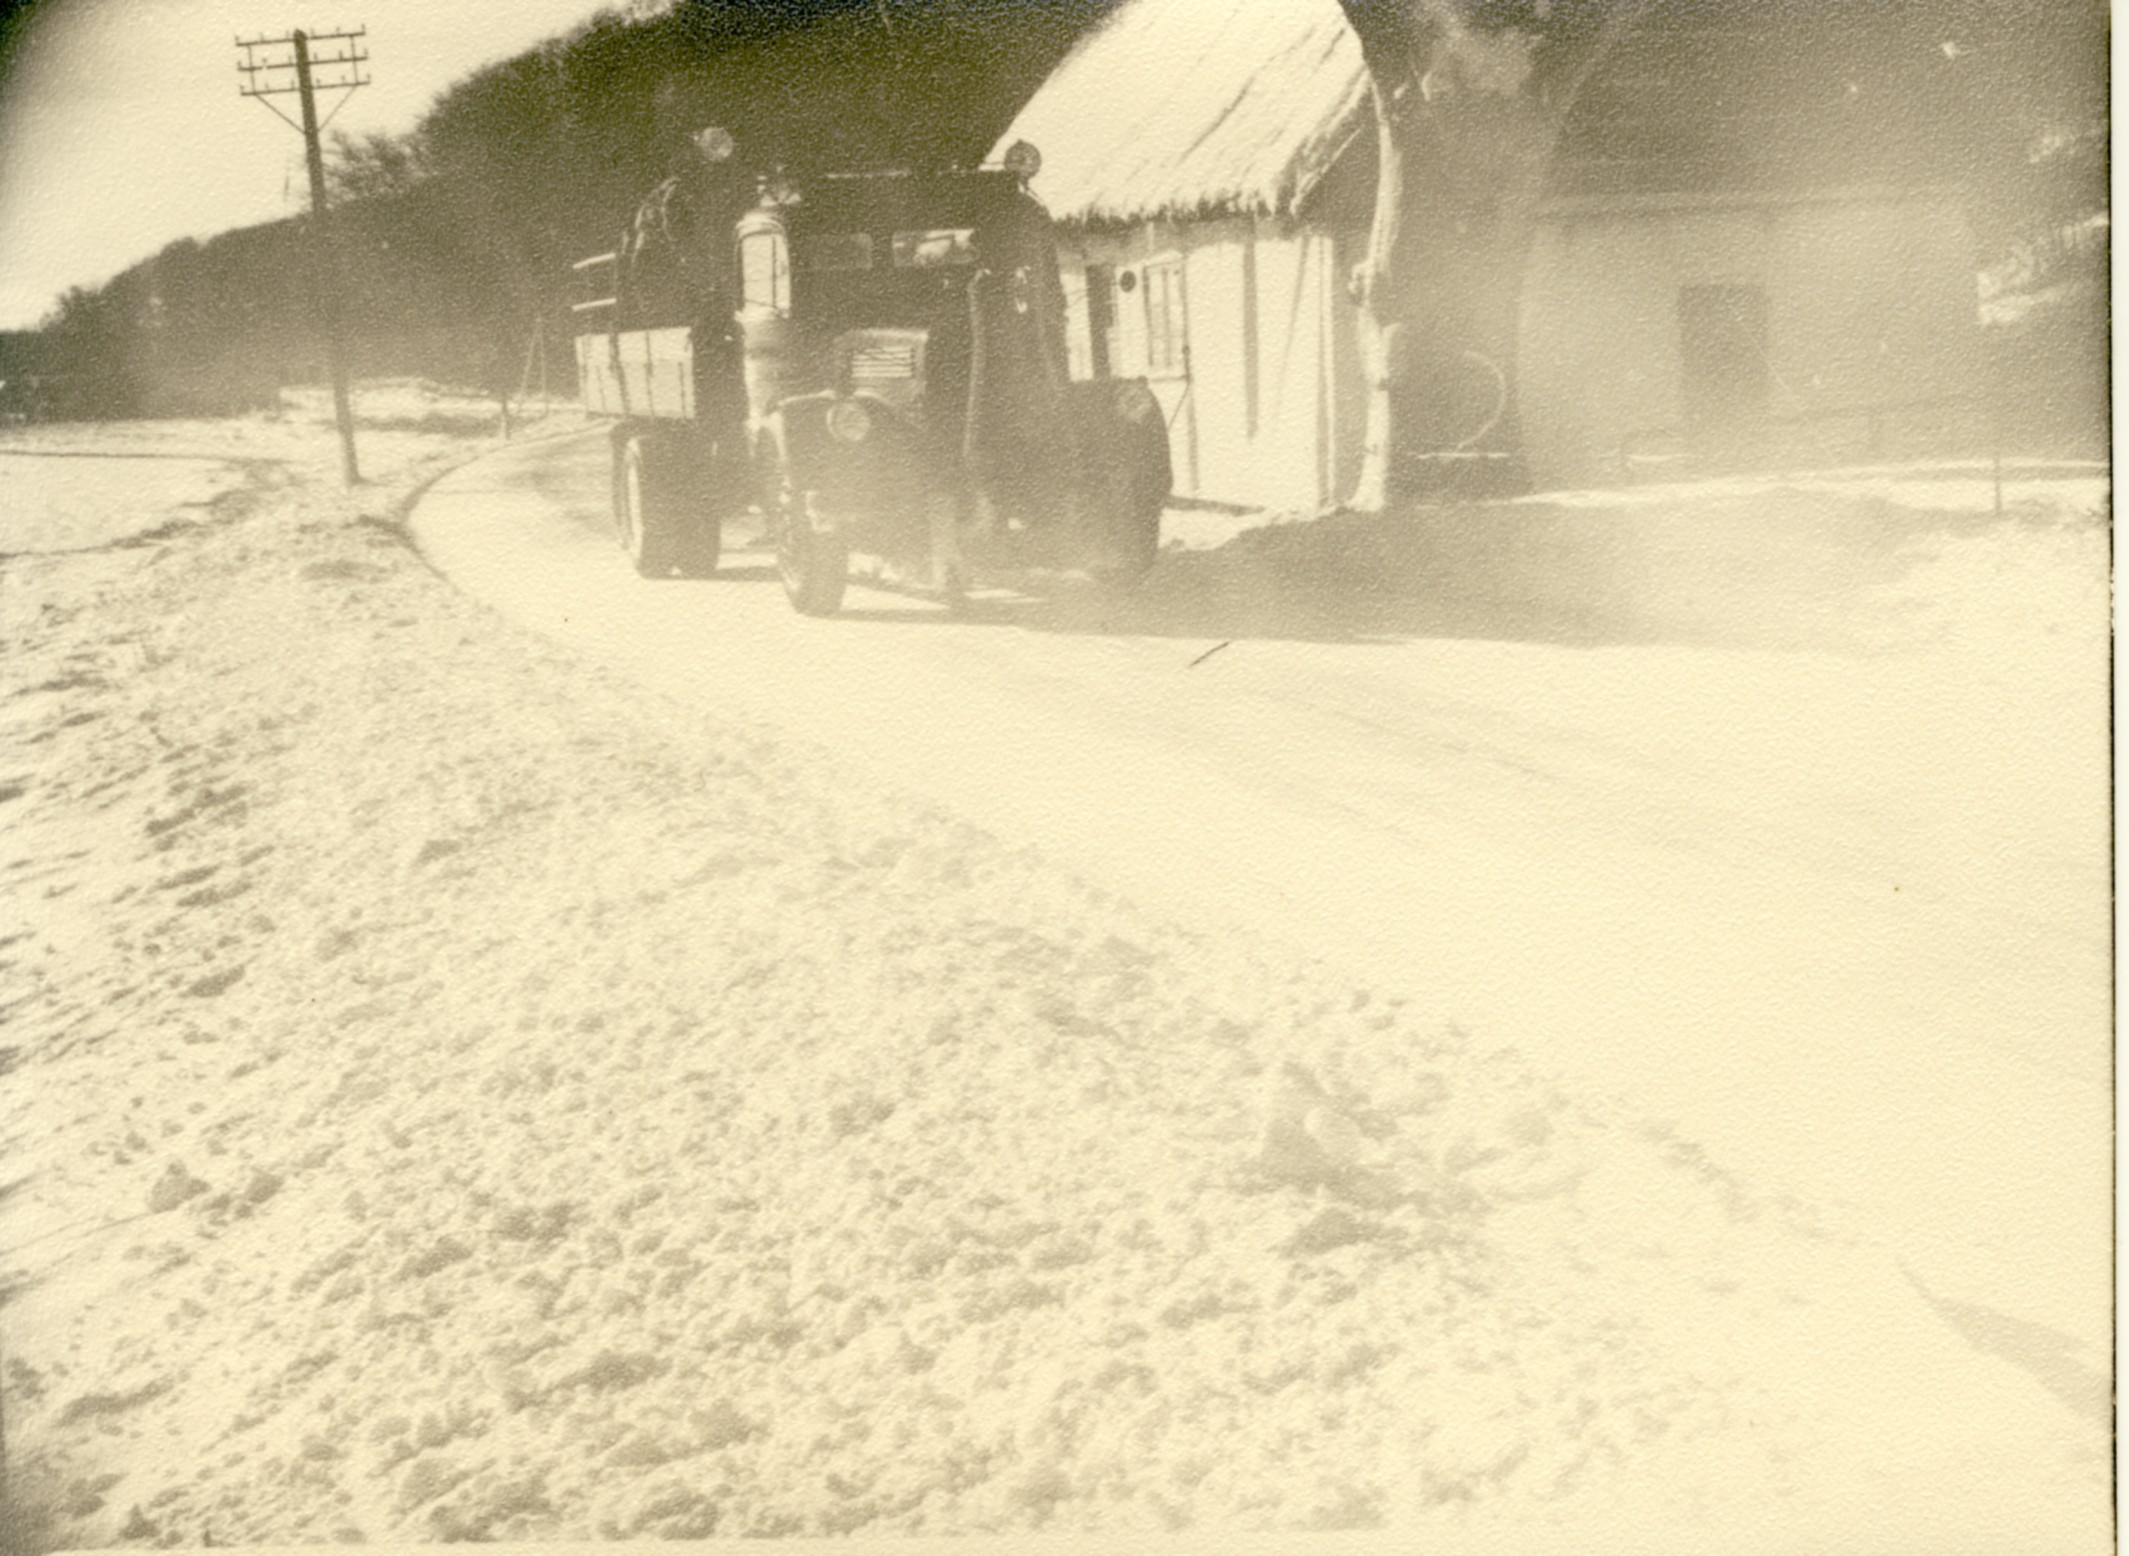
456	1094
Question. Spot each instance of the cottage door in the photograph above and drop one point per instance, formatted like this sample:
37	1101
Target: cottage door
1724	374
1101	320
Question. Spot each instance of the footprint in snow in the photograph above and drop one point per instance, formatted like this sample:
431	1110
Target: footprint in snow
431	850
173	1188
215	983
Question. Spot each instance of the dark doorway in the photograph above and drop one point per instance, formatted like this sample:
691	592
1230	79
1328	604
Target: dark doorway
1101	320
1722	358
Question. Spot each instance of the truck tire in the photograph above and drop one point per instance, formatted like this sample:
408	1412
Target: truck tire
1122	437
664	523
813	564
1152	480
1144	483
1141	540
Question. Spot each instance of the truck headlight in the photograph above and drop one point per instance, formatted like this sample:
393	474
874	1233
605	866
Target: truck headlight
849	421
1022	158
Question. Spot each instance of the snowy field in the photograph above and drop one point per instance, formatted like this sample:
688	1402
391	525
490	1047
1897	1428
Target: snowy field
461	1088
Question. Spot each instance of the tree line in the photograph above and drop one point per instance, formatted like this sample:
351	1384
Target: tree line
453	240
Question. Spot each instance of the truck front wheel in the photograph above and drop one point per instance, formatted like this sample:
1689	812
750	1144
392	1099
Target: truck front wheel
813	563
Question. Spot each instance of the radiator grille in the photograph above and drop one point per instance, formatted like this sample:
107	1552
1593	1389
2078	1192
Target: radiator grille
883	364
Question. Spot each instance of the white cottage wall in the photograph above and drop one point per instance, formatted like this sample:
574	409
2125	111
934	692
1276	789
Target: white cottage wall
1255	451
1218	288
1892	319
1287	470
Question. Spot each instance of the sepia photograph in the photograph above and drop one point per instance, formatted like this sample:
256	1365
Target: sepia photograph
960	777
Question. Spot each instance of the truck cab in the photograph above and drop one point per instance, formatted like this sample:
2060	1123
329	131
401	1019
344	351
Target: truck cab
876	361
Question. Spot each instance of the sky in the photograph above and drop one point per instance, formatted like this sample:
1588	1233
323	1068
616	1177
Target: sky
121	128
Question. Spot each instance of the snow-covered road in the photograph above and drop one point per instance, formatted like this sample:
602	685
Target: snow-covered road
1790	834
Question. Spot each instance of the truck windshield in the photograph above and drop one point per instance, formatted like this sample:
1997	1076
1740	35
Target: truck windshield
935	249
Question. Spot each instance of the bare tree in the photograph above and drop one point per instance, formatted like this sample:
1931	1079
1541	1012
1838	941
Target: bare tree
1470	97
373	166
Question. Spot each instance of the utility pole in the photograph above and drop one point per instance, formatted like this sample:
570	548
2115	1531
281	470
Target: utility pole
265	77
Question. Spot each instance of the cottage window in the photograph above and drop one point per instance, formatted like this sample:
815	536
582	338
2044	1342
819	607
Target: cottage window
1167	349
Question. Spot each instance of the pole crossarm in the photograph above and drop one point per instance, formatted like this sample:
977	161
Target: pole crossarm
322	86
354	55
263	42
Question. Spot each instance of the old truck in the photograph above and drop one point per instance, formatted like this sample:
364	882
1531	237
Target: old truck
872	361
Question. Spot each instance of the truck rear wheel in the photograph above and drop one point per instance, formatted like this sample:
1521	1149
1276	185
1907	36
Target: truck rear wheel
1138	546
1142	497
665	524
1123	436
1152	480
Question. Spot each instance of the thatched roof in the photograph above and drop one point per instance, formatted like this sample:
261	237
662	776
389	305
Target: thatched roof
1190	107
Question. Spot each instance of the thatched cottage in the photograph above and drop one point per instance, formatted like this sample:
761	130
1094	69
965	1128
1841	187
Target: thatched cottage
1740	246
